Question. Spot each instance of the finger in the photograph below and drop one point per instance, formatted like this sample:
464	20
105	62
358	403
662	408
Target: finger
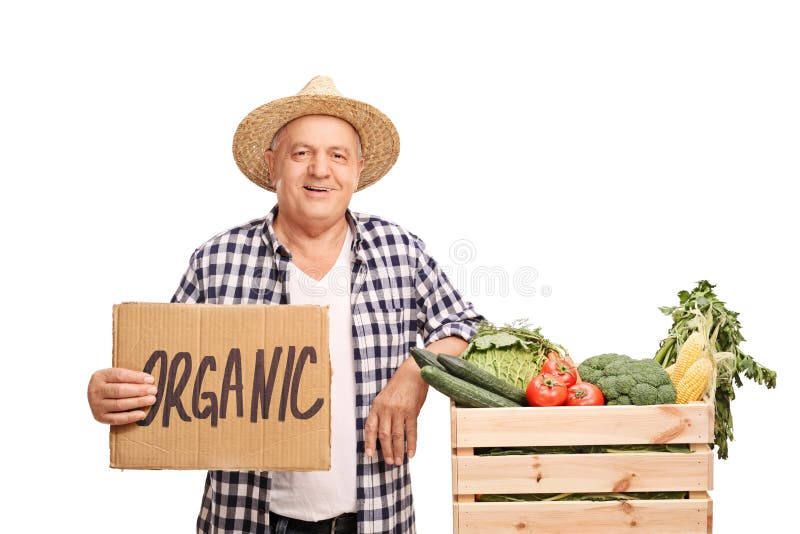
125	405
122	375
122	418
370	433
385	437
124	391
411	436
398	436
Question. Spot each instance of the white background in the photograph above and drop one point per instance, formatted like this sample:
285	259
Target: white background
623	150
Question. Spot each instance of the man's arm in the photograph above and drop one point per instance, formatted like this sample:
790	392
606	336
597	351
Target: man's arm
445	321
452	345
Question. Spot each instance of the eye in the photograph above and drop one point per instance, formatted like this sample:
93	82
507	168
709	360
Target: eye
338	155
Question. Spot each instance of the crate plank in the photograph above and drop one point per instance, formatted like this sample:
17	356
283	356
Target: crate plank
583	473
460	454
453	425
703	447
679	516
702	495
583	425
457	452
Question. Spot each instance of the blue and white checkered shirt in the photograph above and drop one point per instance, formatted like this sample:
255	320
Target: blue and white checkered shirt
397	292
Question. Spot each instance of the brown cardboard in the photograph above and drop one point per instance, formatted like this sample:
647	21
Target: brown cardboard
295	435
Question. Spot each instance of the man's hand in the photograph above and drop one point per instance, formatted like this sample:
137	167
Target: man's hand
115	394
393	416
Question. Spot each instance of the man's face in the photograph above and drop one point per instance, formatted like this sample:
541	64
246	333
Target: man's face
315	168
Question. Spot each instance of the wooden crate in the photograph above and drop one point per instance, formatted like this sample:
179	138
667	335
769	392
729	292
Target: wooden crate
582	473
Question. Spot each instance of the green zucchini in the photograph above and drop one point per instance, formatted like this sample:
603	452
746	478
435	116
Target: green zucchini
473	374
462	392
425	357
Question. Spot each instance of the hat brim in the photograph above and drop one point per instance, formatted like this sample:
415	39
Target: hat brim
380	143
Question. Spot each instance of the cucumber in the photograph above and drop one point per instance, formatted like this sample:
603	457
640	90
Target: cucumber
462	392
480	377
425	357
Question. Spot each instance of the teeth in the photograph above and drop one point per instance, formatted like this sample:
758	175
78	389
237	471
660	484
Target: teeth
312	188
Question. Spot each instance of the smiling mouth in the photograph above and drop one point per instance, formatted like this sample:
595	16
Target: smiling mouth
315	188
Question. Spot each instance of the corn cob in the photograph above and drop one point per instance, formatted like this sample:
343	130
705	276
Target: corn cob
695	381
691	351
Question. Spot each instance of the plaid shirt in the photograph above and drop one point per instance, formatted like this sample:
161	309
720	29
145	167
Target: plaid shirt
397	292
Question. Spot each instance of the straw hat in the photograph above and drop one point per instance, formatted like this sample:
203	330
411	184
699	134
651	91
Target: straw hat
380	144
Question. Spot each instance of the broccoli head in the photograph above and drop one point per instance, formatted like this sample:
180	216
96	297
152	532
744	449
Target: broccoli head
624	380
592	368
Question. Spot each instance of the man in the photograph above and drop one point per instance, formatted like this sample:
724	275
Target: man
314	150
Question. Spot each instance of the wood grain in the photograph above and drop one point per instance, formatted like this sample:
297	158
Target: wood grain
584	473
584	425
676	516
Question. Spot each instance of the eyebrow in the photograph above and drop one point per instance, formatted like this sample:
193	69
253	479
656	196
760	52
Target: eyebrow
303	144
299	144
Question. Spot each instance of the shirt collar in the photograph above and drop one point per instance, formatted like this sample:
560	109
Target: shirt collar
356	228
271	239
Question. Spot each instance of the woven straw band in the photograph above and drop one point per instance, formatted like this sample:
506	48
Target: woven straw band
380	143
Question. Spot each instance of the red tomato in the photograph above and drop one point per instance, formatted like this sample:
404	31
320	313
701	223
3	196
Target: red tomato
562	367
585	394
546	390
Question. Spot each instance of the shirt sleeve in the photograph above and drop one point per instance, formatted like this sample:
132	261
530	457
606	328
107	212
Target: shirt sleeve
190	290
441	311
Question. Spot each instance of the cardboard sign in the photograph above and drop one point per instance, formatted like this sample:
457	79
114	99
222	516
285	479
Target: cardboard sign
243	387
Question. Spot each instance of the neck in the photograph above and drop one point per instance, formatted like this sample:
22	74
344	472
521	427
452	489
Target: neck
309	237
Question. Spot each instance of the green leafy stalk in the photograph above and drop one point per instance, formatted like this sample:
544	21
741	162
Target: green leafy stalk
702	298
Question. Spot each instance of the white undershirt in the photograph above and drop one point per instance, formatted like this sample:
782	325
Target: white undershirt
317	495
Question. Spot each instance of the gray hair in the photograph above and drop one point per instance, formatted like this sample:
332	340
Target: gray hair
277	139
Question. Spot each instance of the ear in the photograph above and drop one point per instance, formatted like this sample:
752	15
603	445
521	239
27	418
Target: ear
359	168
269	159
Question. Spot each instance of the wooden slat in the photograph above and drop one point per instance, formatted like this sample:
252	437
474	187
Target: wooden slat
584	473
453	434
584	425
678	516
458	452
704	495
453	469
710	517
453	425
461	496
704	448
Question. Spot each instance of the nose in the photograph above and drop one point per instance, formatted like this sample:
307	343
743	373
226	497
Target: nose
319	166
